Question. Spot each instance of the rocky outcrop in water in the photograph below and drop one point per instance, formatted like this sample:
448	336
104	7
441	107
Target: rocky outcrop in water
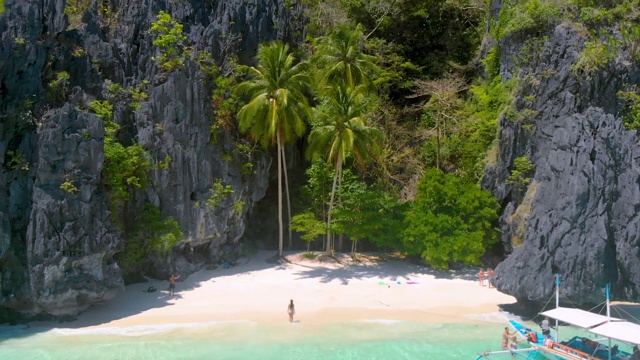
59	239
578	215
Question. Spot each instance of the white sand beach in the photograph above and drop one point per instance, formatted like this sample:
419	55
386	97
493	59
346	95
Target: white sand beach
323	292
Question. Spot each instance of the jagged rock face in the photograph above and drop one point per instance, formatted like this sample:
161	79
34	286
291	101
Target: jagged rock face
70	238
578	216
57	244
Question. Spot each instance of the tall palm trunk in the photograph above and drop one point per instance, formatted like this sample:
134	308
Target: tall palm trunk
286	189
280	227
333	193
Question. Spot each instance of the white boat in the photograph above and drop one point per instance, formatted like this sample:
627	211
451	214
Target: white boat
578	347
582	348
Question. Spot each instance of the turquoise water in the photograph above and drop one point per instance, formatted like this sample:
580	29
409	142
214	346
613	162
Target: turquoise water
245	340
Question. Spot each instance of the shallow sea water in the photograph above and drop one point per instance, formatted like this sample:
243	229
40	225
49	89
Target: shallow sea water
375	339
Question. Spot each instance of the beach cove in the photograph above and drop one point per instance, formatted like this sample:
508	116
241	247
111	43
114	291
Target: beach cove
376	308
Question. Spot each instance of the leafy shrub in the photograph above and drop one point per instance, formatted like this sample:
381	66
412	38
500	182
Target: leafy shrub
450	220
531	16
218	193
138	95
309	226
595	56
102	109
68	186
74	10
631	116
153	235
124	166
631	39
59	85
522	167
170	41
16	160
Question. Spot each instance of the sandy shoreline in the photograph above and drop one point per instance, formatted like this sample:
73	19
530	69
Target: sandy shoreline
323	292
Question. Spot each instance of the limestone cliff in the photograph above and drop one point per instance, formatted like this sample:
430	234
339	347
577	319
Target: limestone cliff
57	244
578	216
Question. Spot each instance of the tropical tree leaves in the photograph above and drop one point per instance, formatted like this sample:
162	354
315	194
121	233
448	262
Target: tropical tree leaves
277	109
450	220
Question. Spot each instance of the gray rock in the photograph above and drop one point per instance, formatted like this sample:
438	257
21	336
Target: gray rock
578	218
58	247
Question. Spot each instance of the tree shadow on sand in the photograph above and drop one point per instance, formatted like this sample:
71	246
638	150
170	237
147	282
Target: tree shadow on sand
376	266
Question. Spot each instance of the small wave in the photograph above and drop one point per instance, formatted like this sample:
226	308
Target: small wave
382	321
141	330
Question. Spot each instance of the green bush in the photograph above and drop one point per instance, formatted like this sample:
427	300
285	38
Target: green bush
522	168
309	226
596	55
58	86
530	16
218	193
631	116
153	235
170	41
68	186
450	220
103	109
74	10
631	39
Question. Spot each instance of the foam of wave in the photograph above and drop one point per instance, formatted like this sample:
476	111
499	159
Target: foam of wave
142	330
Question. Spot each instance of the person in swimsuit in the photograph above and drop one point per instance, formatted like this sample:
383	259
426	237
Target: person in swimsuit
291	310
490	274
505	338
172	284
481	276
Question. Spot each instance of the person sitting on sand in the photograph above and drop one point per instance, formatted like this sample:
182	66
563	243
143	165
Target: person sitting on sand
172	284
291	310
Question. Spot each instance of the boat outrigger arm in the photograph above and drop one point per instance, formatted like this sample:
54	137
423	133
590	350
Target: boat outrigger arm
529	351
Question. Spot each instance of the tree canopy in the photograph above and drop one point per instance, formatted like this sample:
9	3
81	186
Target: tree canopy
450	220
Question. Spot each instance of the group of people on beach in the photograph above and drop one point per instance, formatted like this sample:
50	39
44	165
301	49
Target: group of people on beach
489	274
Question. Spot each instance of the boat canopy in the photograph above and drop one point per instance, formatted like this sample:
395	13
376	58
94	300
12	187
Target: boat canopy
577	317
623	331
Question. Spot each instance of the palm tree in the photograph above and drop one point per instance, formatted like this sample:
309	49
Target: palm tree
277	109
341	54
340	132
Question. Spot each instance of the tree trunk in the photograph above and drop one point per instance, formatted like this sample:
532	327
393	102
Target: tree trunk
280	227
437	143
333	193
286	189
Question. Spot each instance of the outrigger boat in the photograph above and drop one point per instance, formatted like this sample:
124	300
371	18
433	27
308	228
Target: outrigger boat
576	348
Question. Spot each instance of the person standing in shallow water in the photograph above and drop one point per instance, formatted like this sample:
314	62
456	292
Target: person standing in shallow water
172	284
291	310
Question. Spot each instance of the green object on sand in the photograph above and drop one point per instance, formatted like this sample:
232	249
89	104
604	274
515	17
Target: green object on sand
382	283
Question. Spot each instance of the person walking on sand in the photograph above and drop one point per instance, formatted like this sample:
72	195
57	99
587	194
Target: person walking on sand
172	284
481	276
490	277
291	310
